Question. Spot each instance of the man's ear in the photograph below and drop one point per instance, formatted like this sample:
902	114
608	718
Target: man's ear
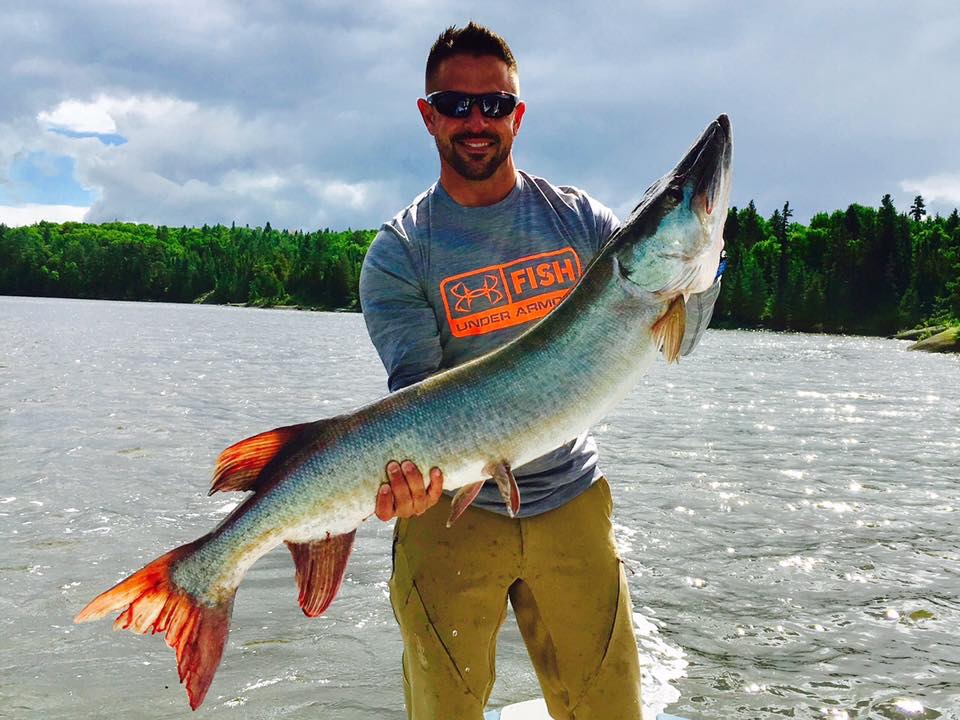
427	113
518	117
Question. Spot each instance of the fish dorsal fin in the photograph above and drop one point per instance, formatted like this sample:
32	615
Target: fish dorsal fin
320	568
240	465
669	329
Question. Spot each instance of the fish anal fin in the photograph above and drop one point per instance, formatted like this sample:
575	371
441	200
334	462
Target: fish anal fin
240	465
320	568
507	484
152	603
463	499
669	329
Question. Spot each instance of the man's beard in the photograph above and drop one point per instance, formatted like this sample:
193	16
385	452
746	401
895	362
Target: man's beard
472	170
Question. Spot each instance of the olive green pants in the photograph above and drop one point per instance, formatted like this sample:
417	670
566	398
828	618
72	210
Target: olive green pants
561	572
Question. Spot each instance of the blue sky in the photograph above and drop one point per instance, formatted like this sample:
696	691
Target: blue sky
303	113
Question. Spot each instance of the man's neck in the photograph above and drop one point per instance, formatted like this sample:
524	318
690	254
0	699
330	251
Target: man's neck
479	193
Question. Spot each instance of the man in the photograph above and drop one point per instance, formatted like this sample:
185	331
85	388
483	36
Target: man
469	265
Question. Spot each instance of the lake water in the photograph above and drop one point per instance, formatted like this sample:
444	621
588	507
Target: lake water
788	506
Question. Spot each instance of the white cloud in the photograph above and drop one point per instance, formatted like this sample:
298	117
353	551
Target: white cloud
80	116
108	114
184	163
190	163
338	192
242	183
33	213
943	188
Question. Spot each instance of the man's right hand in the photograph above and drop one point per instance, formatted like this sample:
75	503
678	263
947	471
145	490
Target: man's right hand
403	495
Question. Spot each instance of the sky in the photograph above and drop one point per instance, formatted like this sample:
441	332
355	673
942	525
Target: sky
303	114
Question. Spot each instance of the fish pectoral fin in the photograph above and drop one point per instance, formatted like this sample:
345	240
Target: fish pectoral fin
152	603
239	466
462	500
669	329
501	473
320	568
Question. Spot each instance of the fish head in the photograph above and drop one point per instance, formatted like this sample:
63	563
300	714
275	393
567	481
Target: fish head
672	241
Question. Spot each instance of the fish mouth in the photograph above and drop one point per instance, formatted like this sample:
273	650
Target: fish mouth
706	166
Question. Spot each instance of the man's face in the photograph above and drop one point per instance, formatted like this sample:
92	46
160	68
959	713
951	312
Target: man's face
474	146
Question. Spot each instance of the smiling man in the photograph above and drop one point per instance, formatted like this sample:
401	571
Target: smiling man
476	162
469	265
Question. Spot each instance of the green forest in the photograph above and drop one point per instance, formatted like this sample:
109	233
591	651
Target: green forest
218	264
860	270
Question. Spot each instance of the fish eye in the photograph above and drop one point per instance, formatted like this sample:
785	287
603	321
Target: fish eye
675	193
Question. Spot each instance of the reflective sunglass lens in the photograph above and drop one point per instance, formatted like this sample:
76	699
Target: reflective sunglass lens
457	105
451	104
460	107
494	106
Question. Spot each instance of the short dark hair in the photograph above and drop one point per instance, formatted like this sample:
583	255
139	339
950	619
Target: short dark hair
474	40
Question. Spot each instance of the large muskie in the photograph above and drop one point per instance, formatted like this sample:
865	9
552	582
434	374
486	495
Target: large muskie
314	483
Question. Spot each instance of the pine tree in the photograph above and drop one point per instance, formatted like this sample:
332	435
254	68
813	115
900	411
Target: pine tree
918	209
779	222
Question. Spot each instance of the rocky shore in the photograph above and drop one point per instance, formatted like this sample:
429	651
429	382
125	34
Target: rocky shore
941	340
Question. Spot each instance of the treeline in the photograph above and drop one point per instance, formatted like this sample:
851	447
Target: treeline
125	261
862	270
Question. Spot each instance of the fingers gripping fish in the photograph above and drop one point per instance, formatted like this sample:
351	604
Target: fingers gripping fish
312	484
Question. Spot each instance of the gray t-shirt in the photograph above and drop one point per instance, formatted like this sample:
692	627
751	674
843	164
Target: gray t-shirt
443	283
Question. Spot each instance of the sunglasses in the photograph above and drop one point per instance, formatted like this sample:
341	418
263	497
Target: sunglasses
457	104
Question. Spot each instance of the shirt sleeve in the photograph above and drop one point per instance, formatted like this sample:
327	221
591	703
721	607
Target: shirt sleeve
400	321
607	223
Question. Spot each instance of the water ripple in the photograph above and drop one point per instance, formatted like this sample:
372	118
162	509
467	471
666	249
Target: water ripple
786	506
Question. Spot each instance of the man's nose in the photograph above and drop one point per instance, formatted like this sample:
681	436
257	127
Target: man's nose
475	119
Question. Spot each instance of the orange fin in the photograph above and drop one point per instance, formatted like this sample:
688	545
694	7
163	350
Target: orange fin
462	500
151	603
320	568
507	483
240	465
669	329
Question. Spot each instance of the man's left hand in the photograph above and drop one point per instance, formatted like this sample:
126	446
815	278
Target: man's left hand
404	494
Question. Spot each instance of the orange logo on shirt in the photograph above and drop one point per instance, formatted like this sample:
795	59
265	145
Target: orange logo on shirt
501	296
465	295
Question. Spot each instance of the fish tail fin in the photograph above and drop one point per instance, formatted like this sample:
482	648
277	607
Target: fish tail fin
150	602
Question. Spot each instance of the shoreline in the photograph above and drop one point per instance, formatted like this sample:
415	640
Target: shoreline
306	308
946	340
934	338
